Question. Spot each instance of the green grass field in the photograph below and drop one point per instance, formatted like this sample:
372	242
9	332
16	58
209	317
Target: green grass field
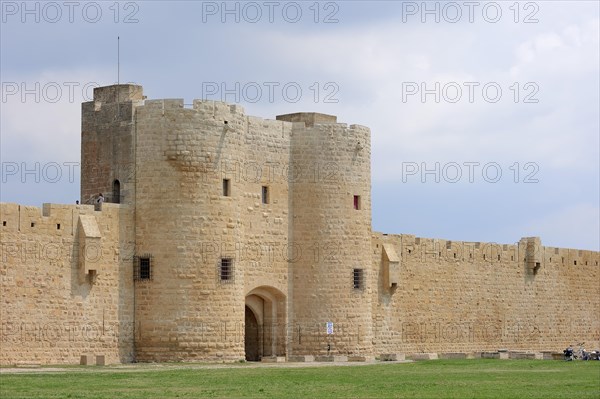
427	379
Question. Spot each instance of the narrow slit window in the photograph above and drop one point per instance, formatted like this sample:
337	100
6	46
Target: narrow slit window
32	224
357	202
226	269
57	226
4	223
265	194
116	196
226	188
358	279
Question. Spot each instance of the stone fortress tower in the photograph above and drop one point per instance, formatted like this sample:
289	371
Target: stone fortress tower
231	210
226	236
330	225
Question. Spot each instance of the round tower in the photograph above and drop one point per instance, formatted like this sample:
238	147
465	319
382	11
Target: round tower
210	224
330	241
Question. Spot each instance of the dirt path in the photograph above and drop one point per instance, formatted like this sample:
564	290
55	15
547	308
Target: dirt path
139	367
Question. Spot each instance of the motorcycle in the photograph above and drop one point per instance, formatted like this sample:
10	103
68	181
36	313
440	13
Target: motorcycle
569	354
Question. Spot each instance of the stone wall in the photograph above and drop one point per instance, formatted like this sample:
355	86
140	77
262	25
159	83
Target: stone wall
470	296
108	143
186	222
240	236
331	234
65	293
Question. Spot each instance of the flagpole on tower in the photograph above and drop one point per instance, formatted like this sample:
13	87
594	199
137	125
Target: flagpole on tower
118	74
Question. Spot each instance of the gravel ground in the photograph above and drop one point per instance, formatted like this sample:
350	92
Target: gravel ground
137	367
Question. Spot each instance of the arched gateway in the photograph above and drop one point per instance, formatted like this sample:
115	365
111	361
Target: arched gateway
265	321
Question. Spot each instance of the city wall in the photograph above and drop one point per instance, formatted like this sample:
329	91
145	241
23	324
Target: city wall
65	283
453	296
287	204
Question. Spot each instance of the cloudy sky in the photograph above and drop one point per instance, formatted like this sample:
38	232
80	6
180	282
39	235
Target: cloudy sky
484	115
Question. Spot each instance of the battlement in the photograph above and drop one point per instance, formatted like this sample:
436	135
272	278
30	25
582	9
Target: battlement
208	106
234	114
309	118
118	93
219	110
52	219
527	249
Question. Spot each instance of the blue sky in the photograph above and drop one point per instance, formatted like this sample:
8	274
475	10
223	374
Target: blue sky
484	115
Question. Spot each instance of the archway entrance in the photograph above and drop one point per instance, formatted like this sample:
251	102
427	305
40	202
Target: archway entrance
265	321
252	337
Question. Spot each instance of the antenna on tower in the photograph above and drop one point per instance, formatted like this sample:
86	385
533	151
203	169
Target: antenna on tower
118	74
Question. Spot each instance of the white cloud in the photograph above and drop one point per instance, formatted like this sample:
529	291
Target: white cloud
45	113
369	59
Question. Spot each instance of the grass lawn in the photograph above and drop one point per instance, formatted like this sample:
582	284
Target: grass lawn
426	379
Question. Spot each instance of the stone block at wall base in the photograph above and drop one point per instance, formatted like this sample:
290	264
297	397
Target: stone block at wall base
301	358
454	355
423	356
392	357
549	355
87	360
273	359
359	358
521	355
490	355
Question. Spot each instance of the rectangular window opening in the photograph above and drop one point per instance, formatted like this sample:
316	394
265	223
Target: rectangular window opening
4	223
57	226
357	202
358	279
143	268
575	262
226	269
265	194
226	188
32	224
